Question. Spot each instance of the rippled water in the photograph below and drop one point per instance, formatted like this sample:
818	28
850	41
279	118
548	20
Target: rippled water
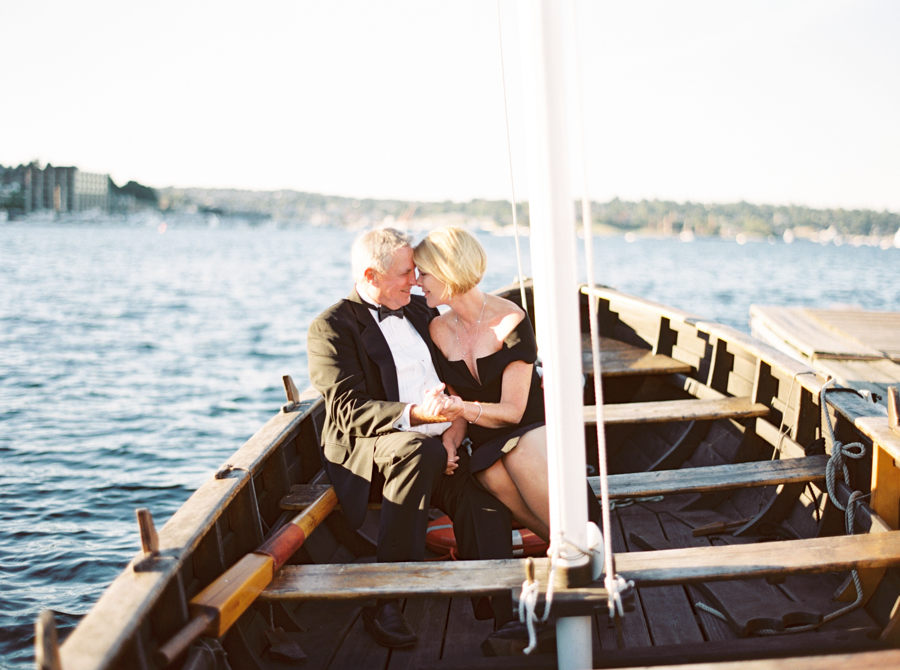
133	363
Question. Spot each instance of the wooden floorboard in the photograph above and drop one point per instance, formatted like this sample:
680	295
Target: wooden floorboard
359	650
464	633
632	629
680	536
428	619
325	626
667	609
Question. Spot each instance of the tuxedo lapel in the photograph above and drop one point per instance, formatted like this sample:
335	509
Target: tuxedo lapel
420	319
376	347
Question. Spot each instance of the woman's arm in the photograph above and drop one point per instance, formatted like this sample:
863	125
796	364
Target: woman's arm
513	399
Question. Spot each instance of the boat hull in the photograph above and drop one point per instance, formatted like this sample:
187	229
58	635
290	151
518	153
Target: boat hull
659	368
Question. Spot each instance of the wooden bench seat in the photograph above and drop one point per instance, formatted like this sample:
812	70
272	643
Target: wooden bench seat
618	359
662	482
647	568
714	477
663	411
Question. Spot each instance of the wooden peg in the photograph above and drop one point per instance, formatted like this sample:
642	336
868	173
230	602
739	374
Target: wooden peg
290	390
149	538
46	645
893	401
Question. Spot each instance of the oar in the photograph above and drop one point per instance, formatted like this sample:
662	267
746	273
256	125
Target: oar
219	605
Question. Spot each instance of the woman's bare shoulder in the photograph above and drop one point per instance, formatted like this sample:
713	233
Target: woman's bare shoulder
506	316
440	327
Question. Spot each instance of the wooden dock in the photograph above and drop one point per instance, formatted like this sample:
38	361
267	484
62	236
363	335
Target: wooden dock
860	349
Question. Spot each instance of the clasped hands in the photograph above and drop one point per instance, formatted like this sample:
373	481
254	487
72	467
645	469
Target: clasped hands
441	406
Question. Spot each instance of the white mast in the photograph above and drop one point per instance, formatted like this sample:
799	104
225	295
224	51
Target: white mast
553	254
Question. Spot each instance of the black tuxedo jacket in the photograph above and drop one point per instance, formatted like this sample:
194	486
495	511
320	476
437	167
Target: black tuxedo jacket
351	365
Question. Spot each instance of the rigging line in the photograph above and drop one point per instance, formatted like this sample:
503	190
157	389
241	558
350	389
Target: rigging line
586	221
512	182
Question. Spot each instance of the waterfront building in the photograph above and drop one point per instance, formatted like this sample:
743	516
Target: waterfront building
57	189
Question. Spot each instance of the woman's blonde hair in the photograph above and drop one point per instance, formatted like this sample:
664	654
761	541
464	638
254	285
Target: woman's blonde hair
454	257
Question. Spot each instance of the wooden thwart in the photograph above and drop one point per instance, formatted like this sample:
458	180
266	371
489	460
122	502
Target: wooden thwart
663	482
650	568
714	477
677	410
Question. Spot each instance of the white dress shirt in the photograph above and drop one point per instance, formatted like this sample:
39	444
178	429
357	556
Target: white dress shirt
415	369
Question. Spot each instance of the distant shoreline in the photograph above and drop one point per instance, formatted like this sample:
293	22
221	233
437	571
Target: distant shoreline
206	217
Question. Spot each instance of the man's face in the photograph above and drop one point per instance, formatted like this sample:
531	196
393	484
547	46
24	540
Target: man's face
391	289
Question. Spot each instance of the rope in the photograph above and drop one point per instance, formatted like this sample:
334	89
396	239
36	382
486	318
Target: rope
527	605
839	451
512	183
615	585
530	589
627	502
786	405
710	610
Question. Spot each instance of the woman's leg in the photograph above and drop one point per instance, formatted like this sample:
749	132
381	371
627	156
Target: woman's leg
526	466
498	483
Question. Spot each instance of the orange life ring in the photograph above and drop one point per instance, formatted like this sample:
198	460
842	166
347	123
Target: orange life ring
440	539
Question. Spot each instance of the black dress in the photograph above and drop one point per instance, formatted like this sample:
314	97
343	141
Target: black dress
489	444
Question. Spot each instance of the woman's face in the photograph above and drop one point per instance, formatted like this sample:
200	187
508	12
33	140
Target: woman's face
433	288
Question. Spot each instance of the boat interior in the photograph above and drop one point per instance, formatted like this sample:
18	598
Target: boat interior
722	515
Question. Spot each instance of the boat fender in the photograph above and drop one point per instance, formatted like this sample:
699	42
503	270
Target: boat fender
440	539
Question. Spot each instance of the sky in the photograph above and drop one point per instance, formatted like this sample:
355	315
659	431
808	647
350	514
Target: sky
778	102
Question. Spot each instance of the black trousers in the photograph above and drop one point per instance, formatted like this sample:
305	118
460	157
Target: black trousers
412	467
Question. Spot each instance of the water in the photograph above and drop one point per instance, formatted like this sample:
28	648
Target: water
133	363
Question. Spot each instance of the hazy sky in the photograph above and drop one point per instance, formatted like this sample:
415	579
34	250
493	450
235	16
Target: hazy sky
775	102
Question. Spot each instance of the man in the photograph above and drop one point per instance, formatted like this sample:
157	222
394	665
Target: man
370	355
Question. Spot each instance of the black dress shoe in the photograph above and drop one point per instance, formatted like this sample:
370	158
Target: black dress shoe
511	639
386	625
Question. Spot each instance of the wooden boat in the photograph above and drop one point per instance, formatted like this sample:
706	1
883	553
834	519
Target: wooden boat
719	458
859	348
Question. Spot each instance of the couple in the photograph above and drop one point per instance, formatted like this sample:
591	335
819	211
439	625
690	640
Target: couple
378	358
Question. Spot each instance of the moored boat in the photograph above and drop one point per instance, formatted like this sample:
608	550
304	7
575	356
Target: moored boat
722	517
859	348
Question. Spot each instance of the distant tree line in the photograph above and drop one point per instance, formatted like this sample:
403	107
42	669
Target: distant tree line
139	192
618	215
740	217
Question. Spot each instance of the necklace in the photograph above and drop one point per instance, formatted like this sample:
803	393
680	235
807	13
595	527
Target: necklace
459	327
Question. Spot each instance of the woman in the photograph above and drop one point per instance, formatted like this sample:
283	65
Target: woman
486	358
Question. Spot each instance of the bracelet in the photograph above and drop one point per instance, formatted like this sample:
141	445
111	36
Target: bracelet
480	411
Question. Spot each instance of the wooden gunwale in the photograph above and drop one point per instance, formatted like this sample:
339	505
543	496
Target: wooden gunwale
97	641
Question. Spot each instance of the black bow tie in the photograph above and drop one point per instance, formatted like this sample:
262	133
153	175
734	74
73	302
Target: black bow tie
384	312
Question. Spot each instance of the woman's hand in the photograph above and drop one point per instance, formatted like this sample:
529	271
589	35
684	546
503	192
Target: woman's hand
437	403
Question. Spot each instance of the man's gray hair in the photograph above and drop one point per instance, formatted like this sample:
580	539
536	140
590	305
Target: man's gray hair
375	249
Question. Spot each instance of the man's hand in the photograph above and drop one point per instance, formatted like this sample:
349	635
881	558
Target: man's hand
452	458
